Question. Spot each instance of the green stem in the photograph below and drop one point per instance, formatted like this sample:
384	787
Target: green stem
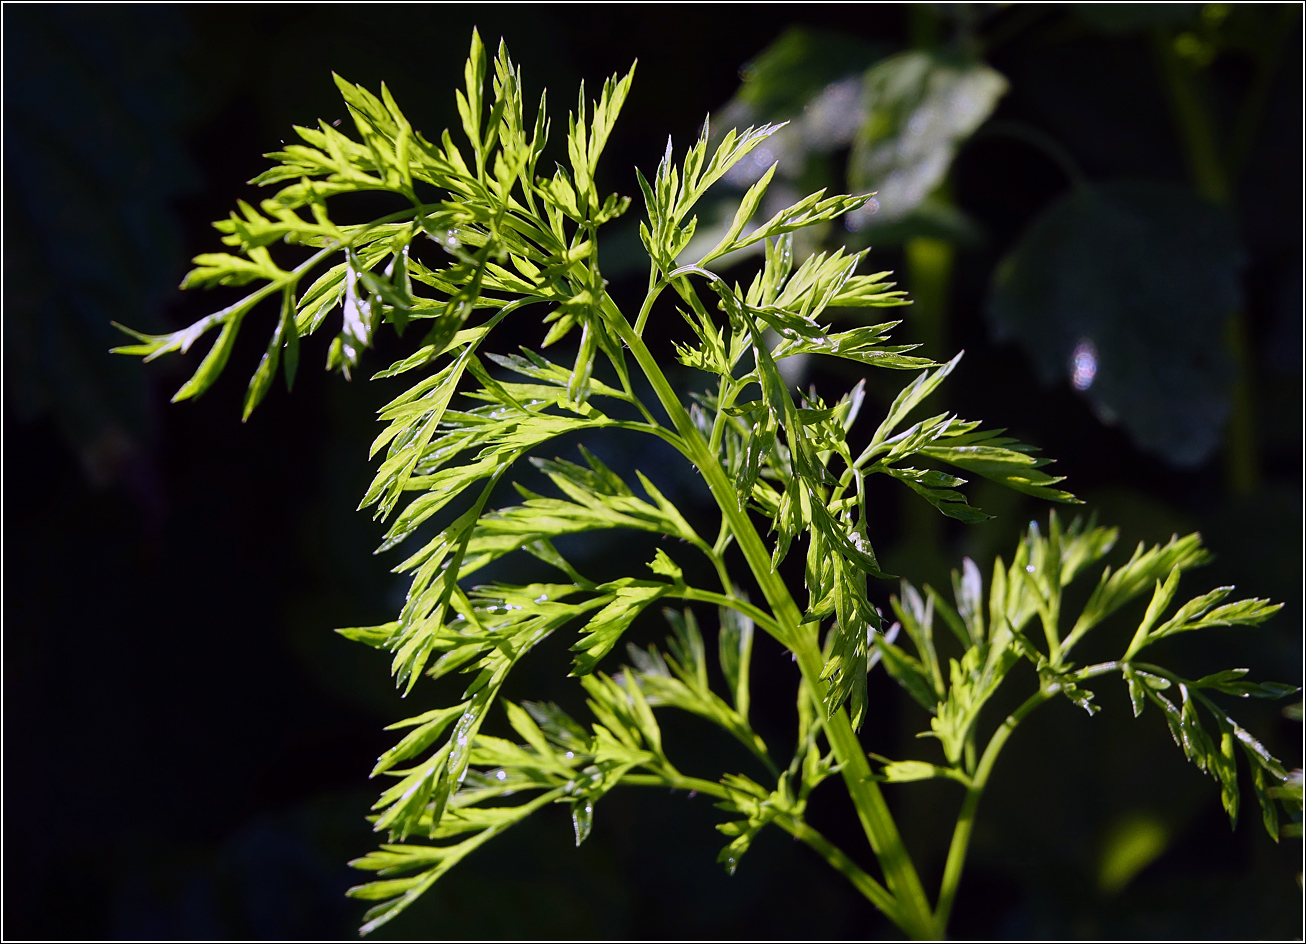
723	538
966	818
654	290
733	603
677	782
725	398
1194	123
834	856
1050	617
722	572
794	826
1212	180
913	915
1101	668
1240	459
929	264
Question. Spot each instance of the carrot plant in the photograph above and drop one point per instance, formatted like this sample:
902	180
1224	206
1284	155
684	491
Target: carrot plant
484	238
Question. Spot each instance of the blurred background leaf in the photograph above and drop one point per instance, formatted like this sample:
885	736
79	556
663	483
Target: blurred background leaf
1126	287
920	107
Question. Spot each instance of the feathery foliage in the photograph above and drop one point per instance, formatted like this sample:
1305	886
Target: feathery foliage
483	234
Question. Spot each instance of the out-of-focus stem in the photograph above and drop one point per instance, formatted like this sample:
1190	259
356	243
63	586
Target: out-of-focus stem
929	277
1241	467
1211	178
928	264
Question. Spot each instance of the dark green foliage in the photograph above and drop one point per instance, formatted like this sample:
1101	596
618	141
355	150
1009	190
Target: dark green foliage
1117	271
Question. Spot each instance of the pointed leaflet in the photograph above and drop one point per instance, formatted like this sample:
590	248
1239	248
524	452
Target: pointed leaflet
735	641
1143	569
680	680
606	626
1005	461
905	402
267	368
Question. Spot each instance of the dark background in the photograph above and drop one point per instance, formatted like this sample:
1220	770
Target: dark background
186	740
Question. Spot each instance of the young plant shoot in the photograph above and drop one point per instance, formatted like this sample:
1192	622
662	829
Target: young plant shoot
483	238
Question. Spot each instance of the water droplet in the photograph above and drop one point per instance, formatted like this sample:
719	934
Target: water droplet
1083	365
501	775
582	819
569	755
1029	568
542	598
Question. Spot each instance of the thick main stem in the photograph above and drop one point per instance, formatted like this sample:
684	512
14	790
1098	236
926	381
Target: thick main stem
914	913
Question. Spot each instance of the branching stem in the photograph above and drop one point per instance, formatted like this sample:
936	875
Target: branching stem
731	602
966	818
796	827
912	910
